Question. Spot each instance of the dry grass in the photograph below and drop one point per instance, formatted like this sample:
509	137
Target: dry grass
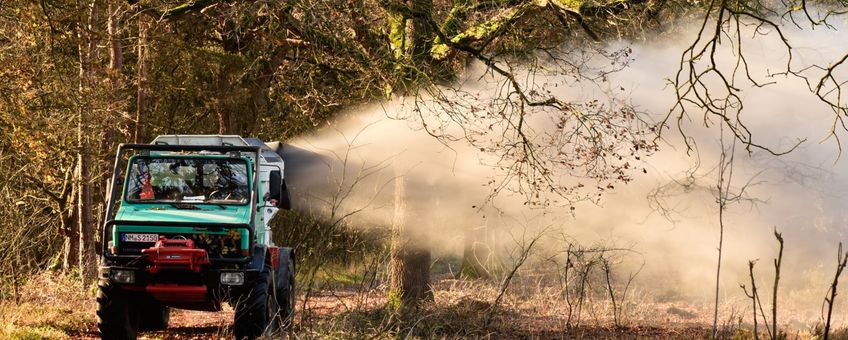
53	306
50	306
463	309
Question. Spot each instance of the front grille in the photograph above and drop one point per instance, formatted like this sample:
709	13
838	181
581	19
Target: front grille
216	245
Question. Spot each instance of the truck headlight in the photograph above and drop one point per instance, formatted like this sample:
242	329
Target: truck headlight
123	276
232	278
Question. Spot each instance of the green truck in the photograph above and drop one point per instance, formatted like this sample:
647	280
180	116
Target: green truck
187	227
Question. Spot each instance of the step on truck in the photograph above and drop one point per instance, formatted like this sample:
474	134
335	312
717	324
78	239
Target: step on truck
187	227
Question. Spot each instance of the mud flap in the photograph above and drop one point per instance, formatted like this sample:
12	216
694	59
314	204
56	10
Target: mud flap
286	294
281	268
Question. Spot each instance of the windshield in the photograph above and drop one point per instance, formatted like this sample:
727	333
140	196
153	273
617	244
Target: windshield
188	180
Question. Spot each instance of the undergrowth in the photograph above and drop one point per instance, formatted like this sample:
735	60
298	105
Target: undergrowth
54	306
50	306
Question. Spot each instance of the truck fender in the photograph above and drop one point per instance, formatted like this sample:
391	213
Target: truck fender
258	260
284	255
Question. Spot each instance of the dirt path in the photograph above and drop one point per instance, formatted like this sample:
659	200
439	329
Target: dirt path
185	324
188	324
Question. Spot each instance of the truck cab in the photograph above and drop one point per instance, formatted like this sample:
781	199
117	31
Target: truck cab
187	227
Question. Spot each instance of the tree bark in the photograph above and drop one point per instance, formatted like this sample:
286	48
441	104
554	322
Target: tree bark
410	258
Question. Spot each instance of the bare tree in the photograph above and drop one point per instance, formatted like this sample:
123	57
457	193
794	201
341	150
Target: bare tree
88	54
726	193
757	305
777	264
830	299
723	197
726	190
754	296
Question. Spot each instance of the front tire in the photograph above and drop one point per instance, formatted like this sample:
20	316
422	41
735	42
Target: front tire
116	318
154	316
256	309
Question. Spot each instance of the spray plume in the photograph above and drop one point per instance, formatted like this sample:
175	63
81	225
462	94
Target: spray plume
667	215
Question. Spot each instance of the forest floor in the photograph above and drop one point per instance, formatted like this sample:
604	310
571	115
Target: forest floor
51	307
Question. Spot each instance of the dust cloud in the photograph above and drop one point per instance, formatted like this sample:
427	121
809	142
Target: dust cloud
801	194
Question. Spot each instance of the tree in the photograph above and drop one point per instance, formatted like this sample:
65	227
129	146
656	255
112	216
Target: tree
410	257
88	57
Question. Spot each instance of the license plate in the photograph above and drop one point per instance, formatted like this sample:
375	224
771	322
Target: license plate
140	237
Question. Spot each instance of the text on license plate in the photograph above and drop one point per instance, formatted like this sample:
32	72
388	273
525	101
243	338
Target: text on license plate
140	237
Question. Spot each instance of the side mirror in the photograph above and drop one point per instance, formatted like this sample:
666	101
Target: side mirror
284	202
277	190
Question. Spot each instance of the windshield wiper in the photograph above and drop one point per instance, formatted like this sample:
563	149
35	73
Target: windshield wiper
185	206
206	201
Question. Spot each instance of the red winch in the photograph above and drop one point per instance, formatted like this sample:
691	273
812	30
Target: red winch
175	254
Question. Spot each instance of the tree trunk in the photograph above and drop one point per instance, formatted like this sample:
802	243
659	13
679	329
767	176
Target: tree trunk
419	33
115	121
116	57
116	63
410	253
411	40
410	258
223	122
475	253
88	56
86	230
142	71
70	257
370	44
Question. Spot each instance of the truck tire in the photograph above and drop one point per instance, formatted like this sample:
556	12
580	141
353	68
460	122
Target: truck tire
256	310
116	318
154	315
286	293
